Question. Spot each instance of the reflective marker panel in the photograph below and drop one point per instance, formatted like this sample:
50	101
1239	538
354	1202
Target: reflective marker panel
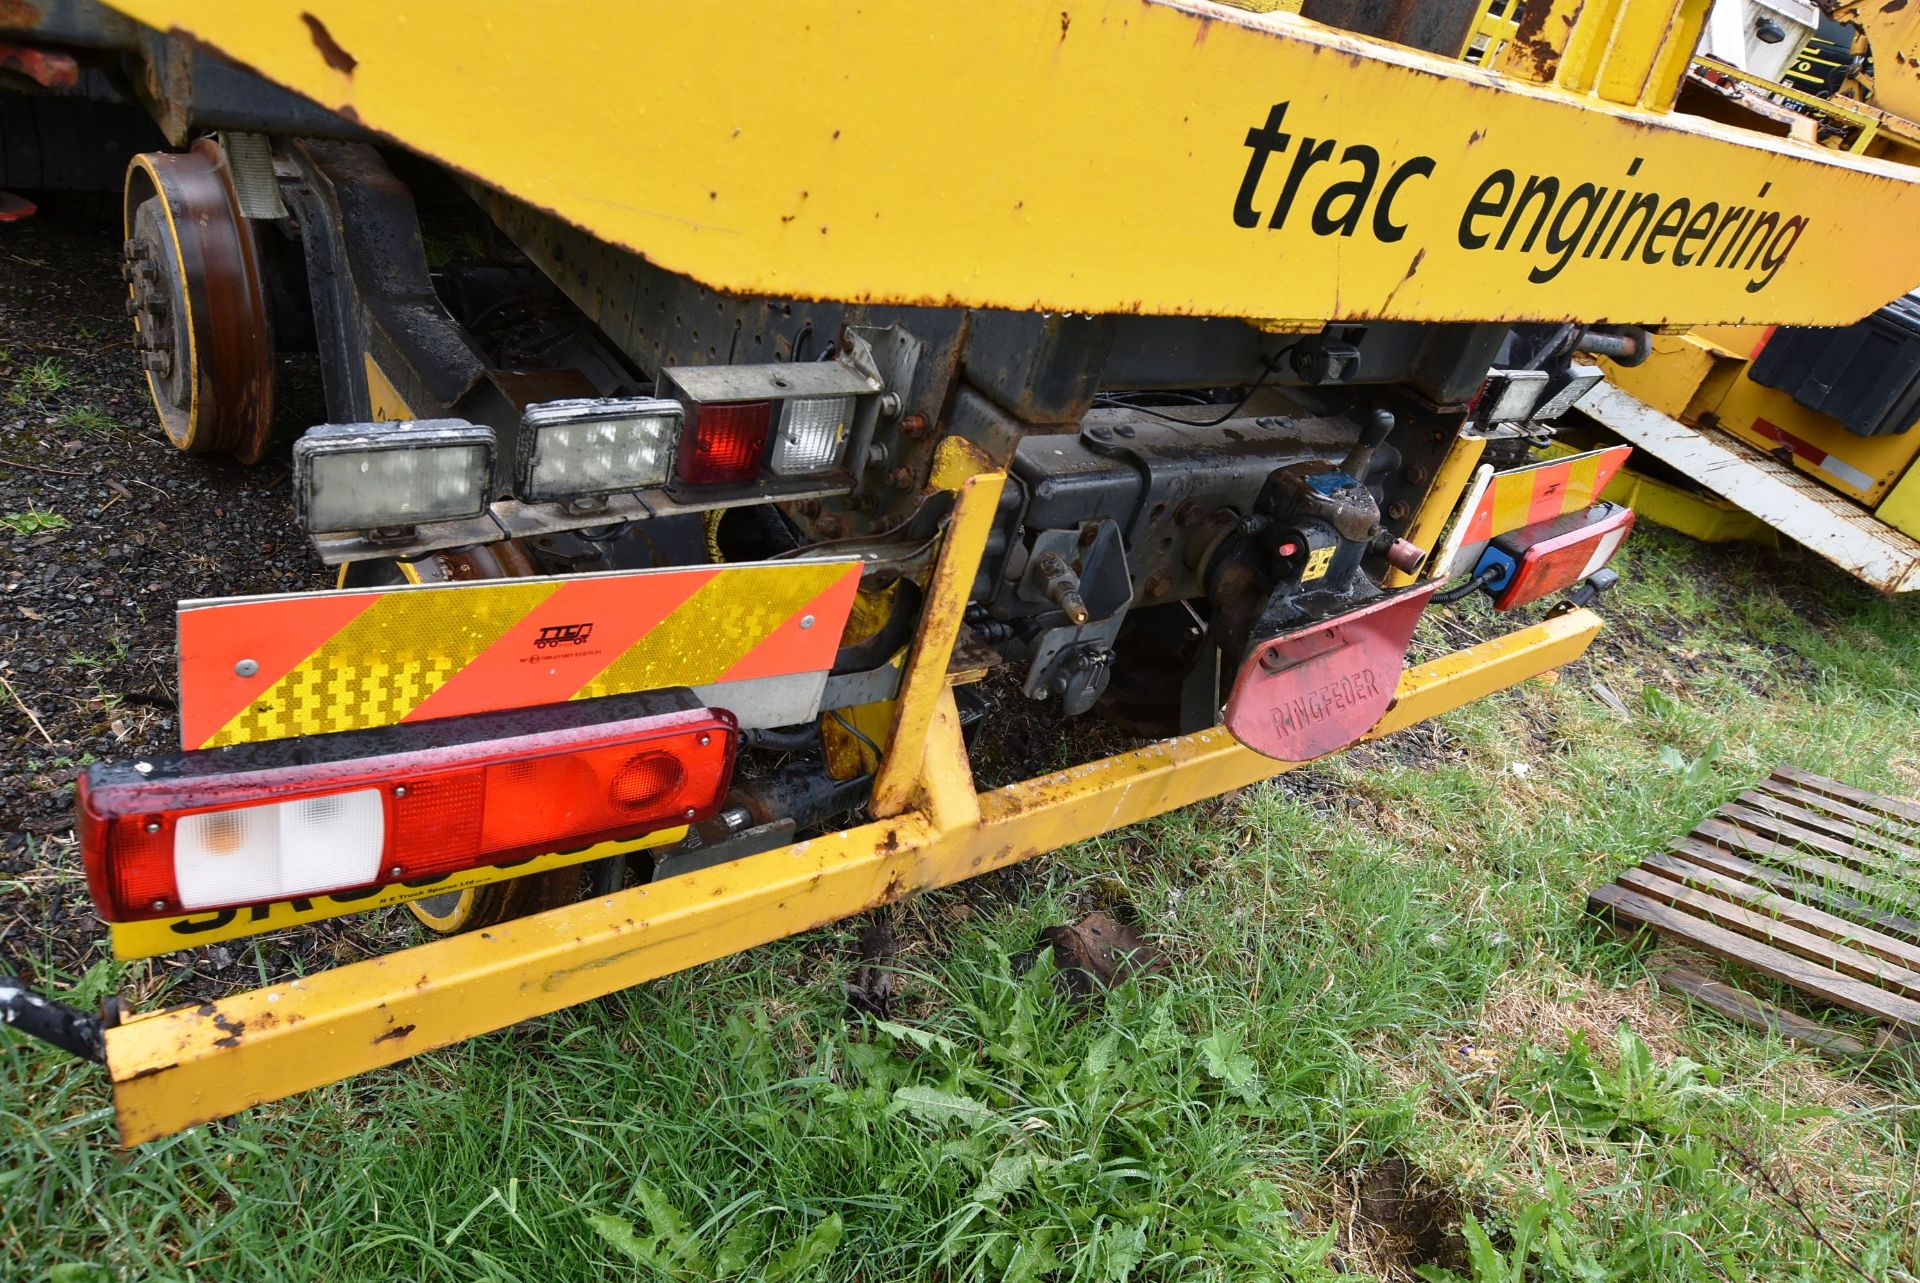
811	436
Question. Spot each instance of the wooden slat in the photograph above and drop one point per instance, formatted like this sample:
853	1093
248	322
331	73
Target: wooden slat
1743	1008
1816	949
1795	833
1899	808
1778	964
1840	817
1818	921
1852	832
1720	861
1882	832
1744	843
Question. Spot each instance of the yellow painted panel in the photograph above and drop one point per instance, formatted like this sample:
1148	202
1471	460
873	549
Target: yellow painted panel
1091	155
1668	379
1901	508
387	402
1862	468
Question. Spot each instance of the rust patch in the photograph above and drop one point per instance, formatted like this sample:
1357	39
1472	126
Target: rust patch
398	1031
330	51
1893	6
150	1071
1532	40
232	1029
890	843
18	13
1066	20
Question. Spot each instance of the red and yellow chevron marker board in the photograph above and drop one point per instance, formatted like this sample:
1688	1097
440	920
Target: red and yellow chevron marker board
1542	491
268	668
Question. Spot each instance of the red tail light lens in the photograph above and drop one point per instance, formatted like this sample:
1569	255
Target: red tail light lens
1541	560
250	825
724	441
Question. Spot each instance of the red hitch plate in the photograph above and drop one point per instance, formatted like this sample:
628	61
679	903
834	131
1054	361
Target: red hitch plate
1318	689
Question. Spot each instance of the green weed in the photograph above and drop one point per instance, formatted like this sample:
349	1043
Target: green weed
88	419
42	378
33	521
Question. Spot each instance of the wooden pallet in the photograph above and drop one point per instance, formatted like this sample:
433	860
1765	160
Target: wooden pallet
1804	879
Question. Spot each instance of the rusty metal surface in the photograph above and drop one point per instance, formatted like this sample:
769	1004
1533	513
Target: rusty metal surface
1438	26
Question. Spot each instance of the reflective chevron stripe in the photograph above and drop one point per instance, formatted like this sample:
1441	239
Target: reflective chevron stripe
1542	491
271	668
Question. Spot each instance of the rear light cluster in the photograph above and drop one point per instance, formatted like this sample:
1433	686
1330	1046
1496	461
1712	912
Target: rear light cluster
782	429
1542	559
253	824
790	423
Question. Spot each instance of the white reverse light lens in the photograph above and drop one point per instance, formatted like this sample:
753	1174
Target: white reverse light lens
278	850
372	476
811	434
574	449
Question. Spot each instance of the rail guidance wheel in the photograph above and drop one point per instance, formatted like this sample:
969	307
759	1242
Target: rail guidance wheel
198	301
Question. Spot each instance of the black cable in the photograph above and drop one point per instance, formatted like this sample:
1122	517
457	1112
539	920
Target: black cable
1448	596
854	731
1271	367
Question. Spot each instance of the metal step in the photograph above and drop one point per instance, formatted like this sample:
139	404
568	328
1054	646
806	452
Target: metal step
1787	499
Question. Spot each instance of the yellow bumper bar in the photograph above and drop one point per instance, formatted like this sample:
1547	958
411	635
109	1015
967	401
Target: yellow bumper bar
174	1069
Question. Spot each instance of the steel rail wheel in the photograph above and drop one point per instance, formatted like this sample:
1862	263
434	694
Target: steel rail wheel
198	301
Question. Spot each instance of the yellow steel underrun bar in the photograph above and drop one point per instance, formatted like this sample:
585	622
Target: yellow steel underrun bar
925	676
177	1068
1106	156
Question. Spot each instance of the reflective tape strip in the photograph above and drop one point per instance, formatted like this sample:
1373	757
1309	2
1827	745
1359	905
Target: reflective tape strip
1833	465
270	668
165	935
1523	497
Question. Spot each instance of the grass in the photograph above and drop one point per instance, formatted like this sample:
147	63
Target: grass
42	378
1389	1042
88	419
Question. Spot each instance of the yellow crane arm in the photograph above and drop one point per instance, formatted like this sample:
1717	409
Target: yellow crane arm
1091	155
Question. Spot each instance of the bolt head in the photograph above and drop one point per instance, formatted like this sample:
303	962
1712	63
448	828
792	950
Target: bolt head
246	668
399	790
394	872
691	813
806	621
159	906
153	826
705	740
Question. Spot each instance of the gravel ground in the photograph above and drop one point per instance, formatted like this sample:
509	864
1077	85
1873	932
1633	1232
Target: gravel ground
103	527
